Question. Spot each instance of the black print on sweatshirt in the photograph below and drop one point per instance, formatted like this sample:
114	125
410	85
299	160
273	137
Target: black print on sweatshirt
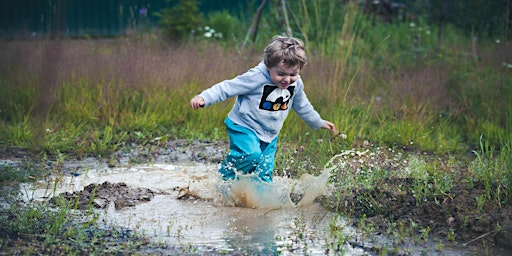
275	99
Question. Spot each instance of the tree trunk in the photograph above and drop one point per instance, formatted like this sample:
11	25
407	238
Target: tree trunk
442	14
507	21
253	29
474	41
285	14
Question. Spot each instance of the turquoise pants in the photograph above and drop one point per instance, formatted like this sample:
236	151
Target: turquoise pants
247	154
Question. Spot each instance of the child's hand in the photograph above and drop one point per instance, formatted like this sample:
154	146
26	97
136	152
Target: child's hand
197	102
329	126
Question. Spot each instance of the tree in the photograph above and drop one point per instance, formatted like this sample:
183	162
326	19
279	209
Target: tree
253	29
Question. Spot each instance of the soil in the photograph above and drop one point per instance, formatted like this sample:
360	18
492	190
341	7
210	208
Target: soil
452	217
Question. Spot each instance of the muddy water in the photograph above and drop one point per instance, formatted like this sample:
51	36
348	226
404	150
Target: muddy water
211	215
187	206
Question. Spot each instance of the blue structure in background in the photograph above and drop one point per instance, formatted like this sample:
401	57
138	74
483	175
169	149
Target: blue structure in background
81	18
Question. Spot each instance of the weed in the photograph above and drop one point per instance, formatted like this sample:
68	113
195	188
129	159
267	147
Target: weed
493	171
338	235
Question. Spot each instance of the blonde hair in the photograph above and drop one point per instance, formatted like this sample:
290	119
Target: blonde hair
284	49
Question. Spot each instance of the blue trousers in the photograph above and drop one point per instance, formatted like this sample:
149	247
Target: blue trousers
247	154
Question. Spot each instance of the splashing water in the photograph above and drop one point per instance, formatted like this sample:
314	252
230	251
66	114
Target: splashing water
250	192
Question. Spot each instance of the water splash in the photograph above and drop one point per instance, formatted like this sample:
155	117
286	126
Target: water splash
250	192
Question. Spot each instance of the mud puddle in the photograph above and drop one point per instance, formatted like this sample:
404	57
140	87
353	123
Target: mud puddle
187	206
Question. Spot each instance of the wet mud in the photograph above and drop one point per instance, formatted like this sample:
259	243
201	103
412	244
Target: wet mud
101	196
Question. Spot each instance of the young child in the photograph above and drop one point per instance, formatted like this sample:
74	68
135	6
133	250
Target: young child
265	95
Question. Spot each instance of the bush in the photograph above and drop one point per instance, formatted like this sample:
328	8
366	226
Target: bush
179	21
222	22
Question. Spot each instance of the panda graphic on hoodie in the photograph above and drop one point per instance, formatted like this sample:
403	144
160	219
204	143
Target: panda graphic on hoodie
275	99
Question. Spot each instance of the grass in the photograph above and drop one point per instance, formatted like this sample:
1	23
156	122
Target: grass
39	229
417	107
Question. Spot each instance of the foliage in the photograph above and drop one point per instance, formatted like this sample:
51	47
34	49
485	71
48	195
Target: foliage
179	21
222	22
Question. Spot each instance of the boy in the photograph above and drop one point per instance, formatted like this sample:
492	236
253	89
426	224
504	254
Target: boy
265	95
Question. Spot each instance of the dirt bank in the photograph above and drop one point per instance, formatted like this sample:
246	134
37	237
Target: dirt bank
453	217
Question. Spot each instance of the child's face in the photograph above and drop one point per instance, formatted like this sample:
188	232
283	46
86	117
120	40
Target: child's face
283	75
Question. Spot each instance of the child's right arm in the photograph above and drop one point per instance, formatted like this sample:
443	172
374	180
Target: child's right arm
240	85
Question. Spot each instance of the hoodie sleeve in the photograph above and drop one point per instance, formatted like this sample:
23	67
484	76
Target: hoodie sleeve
306	111
240	85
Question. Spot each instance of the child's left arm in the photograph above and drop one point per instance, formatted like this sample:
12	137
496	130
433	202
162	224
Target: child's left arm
329	126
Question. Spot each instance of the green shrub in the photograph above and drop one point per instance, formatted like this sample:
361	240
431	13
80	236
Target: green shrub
179	21
223	24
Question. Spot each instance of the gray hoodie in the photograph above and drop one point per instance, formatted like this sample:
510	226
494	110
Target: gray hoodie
260	105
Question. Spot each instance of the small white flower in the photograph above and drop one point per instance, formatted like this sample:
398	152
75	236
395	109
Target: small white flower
498	41
208	34
412	25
